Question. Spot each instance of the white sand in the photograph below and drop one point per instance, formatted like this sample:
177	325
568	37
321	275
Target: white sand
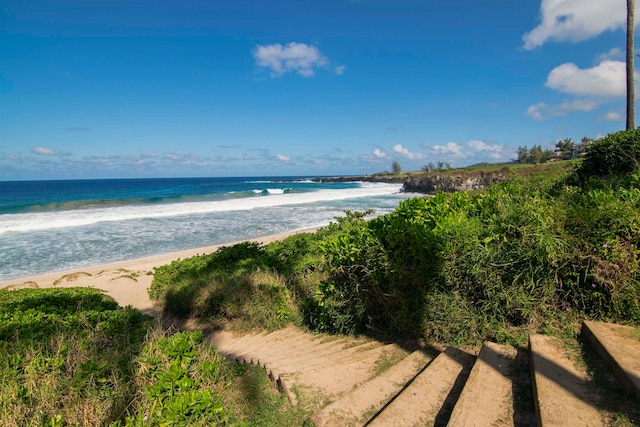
125	281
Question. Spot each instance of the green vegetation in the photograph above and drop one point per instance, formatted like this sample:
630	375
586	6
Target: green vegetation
556	244
395	167
73	357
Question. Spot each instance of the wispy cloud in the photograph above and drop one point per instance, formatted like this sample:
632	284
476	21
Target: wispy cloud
575	20
398	148
44	151
542	110
379	154
475	150
613	116
282	158
495	151
188	159
614	54
300	58
11	157
450	149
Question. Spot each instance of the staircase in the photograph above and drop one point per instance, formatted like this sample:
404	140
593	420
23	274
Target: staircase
347	381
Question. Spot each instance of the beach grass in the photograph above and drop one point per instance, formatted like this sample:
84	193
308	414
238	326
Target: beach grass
74	357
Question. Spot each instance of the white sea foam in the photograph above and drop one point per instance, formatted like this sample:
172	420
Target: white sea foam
276	190
64	219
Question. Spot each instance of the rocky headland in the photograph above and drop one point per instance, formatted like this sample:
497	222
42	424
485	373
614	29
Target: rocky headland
430	183
451	182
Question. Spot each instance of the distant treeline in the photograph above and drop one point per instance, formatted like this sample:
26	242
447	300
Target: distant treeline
566	149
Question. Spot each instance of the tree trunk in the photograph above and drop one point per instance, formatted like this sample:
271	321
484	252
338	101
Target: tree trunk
631	110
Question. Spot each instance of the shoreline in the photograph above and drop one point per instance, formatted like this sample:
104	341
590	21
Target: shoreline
126	281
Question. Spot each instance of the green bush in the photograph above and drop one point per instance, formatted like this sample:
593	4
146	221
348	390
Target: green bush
68	356
461	268
617	154
507	259
250	284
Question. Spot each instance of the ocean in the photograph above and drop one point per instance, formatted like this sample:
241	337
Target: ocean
50	226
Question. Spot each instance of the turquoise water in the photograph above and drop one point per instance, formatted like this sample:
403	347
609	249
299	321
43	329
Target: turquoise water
48	226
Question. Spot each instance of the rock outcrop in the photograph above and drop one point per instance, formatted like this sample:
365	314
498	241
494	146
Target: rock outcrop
451	182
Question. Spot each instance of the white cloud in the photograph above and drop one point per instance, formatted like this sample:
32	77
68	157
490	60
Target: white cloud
339	70
44	151
188	159
535	111
379	154
495	151
398	148
613	54
282	158
576	20
294	57
613	116
452	148
541	110
606	79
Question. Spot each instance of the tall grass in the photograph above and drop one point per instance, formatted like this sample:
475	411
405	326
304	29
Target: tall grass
73	357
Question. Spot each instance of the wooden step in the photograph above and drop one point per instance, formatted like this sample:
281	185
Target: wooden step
425	399
563	395
487	397
619	346
356	407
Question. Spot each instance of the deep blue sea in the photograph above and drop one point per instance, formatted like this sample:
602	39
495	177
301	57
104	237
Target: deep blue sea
48	226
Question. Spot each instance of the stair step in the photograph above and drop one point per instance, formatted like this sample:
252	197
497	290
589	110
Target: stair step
619	346
562	393
336	355
423	400
282	337
487	397
293	354
333	379
354	408
293	349
226	342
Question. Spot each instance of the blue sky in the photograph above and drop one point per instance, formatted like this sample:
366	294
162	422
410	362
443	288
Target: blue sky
168	88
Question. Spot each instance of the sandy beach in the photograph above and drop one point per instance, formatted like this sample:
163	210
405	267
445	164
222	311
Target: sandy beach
125	281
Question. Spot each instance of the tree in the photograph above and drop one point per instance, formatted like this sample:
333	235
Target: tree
395	167
429	167
535	154
567	148
523	155
631	109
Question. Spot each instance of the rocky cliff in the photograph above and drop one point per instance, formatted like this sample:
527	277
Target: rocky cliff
450	182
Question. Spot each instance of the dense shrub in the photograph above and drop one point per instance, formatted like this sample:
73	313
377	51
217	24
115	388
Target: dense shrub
467	267
253	285
68	357
614	155
533	253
